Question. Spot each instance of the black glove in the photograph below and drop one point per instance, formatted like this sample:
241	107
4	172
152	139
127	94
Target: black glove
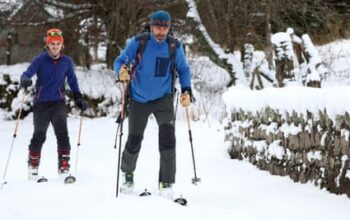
26	82
79	101
82	104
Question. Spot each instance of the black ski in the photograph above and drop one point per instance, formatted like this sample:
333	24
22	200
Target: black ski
182	201
145	193
42	180
68	180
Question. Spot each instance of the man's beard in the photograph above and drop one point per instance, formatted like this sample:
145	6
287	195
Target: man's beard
160	37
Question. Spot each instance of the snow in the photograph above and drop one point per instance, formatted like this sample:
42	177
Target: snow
283	44
54	11
316	155
290	99
336	57
276	150
230	189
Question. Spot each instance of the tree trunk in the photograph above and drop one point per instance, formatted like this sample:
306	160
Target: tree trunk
9	48
268	48
230	25
112	50
121	23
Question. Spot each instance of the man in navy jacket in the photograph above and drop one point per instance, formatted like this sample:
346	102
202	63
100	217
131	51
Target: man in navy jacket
151	91
52	68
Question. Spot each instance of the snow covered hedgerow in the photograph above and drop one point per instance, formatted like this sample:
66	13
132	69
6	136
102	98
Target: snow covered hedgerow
12	99
97	86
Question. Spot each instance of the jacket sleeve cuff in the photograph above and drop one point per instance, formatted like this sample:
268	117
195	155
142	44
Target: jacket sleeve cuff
77	95
186	89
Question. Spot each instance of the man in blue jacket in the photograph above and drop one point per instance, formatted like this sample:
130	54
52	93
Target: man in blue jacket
52	68
151	91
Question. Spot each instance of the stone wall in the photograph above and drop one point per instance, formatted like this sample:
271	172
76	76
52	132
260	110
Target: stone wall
307	148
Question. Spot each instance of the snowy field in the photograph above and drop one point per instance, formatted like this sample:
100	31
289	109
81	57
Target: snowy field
230	189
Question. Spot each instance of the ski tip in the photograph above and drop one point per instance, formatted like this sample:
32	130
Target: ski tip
69	179
181	201
3	183
145	193
42	180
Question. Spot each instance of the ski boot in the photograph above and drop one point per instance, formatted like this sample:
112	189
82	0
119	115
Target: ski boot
33	165
166	190
63	164
127	186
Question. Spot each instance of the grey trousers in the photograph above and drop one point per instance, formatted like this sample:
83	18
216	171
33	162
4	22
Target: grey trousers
44	113
163	111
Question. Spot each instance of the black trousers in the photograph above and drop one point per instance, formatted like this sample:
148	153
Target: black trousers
44	113
163	111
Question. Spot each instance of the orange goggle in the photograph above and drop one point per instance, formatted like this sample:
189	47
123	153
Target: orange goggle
55	33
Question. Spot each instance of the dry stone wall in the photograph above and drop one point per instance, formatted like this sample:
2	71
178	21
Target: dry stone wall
307	148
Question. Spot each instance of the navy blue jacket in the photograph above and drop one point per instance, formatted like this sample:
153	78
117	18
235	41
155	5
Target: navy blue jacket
51	76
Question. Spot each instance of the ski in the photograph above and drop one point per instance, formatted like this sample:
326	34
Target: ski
68	180
180	200
42	180
145	193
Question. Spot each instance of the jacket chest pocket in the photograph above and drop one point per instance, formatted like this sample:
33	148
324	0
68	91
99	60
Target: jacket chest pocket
162	66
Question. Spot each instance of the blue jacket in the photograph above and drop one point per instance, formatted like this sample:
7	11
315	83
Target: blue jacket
153	78
51	76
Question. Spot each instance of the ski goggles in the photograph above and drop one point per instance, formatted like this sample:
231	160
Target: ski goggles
55	33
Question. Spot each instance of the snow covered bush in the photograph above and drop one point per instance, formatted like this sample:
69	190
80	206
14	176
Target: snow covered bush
97	86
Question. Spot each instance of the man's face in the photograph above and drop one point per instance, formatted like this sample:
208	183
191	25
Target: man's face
55	48
160	32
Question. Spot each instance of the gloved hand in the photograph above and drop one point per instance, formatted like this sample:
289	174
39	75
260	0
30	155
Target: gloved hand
185	98
82	104
124	75
25	82
79	101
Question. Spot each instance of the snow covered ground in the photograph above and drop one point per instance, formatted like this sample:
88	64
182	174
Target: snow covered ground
230	189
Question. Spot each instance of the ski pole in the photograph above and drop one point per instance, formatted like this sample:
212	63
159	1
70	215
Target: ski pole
177	103
116	135
71	179
205	112
13	139
122	112
195	180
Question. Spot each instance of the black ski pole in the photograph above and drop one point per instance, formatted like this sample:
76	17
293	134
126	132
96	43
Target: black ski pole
71	179
13	139
116	134
122	112
195	180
